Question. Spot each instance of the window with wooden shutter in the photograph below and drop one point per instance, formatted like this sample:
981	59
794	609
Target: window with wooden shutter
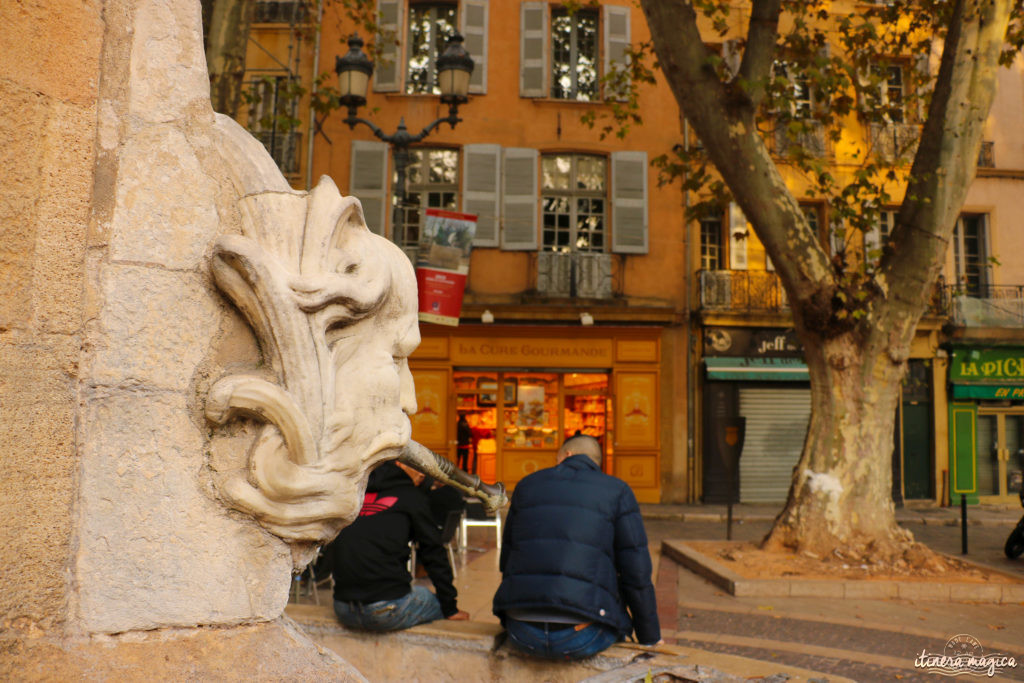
574	195
574	55
481	177
616	47
629	202
430	26
387	73
431	182
519	199
711	242
876	237
368	182
473	23
533	49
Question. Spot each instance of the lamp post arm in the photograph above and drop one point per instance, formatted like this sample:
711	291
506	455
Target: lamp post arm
351	121
451	119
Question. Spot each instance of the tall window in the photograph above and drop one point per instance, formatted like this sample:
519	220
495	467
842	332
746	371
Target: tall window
430	27
813	214
573	197
876	237
431	182
970	253
271	106
711	243
892	91
886	222
574	54
798	88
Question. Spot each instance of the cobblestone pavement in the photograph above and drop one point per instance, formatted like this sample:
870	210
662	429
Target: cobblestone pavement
859	639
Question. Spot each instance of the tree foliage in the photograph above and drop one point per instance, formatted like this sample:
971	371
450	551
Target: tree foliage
227	28
794	101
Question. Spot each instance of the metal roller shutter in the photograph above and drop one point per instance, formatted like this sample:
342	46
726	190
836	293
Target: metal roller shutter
775	431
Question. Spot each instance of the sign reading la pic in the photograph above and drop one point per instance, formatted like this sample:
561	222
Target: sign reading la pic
988	365
551	352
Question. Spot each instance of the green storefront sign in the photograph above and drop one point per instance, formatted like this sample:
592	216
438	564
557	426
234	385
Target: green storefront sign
988	374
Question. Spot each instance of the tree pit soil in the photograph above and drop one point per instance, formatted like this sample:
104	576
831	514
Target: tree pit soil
918	563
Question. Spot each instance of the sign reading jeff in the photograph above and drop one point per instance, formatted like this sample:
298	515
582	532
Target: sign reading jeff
442	264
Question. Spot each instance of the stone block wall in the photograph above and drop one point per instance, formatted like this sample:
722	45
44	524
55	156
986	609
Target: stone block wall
115	551
49	81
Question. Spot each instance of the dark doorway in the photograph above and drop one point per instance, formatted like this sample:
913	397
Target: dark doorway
918	481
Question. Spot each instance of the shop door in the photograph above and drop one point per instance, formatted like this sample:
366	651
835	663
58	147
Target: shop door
917	451
914	434
776	428
1000	449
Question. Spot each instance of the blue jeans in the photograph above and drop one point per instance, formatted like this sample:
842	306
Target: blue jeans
418	607
559	643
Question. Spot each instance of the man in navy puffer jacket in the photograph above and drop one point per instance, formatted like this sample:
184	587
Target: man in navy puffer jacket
574	559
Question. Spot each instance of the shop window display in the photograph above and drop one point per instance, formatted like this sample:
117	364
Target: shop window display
514	414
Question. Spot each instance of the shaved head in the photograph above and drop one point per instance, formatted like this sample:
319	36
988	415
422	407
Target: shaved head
581	444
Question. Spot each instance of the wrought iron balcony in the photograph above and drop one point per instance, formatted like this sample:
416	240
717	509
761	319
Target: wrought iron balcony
574	274
742	290
280	12
986	305
283	147
761	291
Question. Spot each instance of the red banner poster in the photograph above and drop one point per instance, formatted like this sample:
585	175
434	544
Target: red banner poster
442	264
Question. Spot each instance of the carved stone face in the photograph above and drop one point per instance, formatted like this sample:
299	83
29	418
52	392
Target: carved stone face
375	390
335	310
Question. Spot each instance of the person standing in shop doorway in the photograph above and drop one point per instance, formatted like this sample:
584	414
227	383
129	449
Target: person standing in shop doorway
464	439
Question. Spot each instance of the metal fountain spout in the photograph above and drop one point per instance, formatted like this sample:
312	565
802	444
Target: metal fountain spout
428	462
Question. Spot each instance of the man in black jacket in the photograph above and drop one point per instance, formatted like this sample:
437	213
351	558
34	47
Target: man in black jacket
574	559
369	559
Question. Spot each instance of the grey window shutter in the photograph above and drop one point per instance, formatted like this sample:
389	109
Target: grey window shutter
387	72
369	181
738	234
616	43
629	202
481	177
473	19
519	200
533	48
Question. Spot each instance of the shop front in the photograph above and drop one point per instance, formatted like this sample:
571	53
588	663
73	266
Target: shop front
759	375
502	399
986	423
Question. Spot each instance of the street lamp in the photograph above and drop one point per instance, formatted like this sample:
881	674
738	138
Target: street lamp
454	68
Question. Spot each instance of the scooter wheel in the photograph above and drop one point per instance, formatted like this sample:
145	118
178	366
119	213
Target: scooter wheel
1015	543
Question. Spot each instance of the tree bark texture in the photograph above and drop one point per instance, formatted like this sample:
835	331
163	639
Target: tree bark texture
227	37
840	498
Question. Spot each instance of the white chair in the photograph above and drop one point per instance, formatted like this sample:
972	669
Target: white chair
448	539
477	515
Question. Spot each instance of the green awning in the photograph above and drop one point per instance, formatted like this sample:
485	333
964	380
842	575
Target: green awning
759	369
994	392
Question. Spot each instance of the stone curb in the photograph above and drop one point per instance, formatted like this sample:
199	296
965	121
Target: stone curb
473	644
761	517
917	591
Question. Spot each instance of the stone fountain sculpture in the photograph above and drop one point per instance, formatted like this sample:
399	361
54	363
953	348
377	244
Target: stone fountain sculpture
334	309
124	554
